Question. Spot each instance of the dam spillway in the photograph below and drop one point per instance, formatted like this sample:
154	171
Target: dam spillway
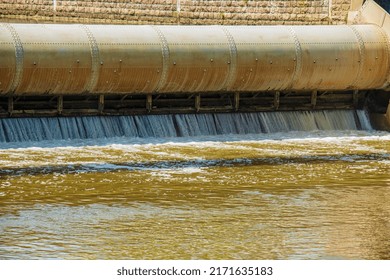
178	125
70	69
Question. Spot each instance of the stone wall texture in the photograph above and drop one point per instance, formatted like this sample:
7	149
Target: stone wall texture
191	12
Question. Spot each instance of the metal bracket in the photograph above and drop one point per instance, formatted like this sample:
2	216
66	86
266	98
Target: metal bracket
313	99
276	100
10	105
236	101
355	98
149	101
60	104
197	102
101	103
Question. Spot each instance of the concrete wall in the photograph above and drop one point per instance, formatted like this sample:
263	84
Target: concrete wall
388	113
246	12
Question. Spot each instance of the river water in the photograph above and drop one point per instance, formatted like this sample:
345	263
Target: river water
311	194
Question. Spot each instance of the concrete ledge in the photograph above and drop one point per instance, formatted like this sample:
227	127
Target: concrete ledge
380	121
388	113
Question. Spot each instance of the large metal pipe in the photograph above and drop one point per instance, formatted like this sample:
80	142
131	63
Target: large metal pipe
37	59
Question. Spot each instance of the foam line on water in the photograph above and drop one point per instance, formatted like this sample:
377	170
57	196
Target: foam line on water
186	166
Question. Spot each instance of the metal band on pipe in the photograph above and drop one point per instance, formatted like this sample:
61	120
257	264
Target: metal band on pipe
298	58
19	55
387	40
165	59
91	85
362	49
233	60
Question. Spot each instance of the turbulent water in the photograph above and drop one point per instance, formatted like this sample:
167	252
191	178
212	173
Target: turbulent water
298	185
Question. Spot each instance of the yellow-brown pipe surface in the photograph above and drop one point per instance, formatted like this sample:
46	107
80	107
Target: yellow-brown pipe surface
64	59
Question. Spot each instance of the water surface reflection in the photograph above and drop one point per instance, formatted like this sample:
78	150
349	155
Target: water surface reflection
304	196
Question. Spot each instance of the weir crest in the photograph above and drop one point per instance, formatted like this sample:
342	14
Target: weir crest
178	125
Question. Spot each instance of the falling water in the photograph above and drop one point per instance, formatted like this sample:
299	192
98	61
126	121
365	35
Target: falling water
94	127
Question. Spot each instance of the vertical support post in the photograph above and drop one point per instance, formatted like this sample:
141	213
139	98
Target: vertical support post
313	101
101	103
149	103
54	10
355	98
10	105
329	12
276	100
236	101
178	8
197	102
60	104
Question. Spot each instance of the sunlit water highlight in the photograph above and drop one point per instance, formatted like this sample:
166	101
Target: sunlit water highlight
291	195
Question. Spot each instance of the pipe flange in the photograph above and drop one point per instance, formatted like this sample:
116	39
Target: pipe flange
362	58
19	56
91	85
228	84
165	59
298	55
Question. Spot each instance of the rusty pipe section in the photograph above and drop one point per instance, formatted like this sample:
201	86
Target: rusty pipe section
37	59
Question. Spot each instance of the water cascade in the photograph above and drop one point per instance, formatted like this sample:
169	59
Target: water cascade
178	125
